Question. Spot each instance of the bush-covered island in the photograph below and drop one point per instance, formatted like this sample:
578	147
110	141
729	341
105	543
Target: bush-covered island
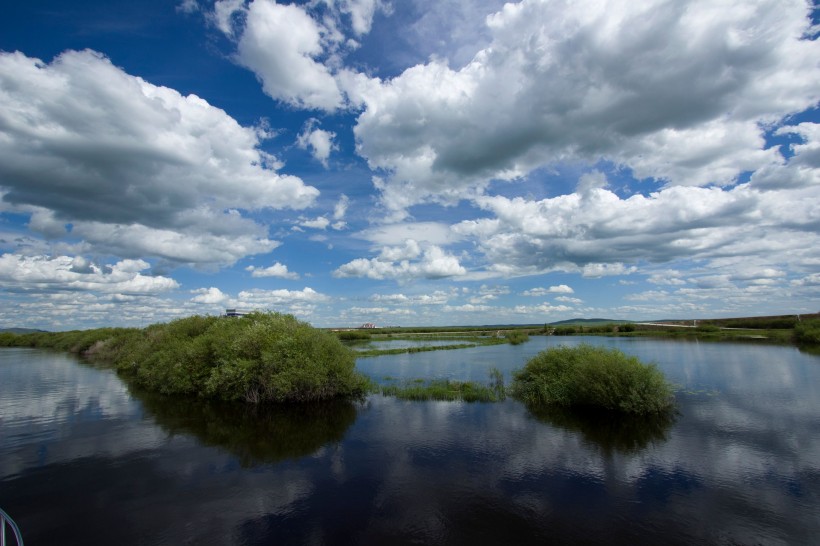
262	357
592	378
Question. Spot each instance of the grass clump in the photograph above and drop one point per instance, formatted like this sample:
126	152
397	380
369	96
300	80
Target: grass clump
440	389
353	335
446	389
592	377
516	337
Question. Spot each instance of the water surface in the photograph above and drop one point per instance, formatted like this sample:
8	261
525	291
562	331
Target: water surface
85	460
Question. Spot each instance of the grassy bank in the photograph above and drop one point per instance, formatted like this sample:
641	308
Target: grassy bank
262	357
592	377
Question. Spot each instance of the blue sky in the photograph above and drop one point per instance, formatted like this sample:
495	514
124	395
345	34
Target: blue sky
408	163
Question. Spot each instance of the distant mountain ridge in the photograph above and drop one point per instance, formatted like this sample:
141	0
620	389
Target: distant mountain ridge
20	331
586	321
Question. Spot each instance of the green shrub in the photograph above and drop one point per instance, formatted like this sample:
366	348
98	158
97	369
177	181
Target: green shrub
262	357
353	335
807	331
516	337
593	377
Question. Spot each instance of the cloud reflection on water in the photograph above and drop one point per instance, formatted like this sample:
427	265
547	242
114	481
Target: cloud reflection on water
741	464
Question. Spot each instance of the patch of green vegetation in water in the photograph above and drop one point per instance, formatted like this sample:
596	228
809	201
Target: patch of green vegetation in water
587	376
447	389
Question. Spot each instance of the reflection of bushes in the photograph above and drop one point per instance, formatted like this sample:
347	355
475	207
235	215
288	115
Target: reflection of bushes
254	434
610	432
592	377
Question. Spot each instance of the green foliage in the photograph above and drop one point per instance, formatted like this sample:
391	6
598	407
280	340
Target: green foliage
516	337
626	328
258	358
497	384
8	339
353	335
592	377
761	323
446	389
807	331
565	331
707	328
75	341
439	389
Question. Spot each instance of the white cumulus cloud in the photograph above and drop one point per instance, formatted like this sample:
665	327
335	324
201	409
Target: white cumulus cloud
282	45
404	263
67	273
276	270
136	169
318	141
678	91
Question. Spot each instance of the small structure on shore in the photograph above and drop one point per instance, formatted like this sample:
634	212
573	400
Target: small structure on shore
368	325
236	313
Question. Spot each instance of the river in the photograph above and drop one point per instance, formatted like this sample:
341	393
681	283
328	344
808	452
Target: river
86	460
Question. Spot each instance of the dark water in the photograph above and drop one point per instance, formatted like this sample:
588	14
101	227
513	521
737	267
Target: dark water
83	460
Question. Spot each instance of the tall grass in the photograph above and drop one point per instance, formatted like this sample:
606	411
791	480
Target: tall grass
447	389
592	377
807	331
439	389
517	337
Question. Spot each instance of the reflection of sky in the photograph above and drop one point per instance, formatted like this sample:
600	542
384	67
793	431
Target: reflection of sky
53	410
740	465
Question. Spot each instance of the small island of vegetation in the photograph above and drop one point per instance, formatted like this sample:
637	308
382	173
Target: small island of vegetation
591	377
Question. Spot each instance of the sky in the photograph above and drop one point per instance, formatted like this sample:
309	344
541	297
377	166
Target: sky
415	162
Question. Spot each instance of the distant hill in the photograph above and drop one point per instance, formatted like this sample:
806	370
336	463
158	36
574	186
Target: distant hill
588	321
773	322
20	331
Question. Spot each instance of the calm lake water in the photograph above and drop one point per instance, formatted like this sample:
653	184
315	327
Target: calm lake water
85	460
